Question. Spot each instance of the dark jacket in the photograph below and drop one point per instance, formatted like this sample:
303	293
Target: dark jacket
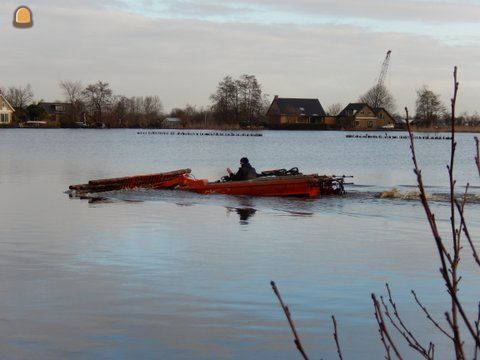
245	172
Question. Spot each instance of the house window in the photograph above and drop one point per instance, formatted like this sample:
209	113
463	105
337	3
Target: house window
4	118
380	116
59	108
370	123
357	123
302	120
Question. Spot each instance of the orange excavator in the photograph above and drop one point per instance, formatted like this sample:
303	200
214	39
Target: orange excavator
279	182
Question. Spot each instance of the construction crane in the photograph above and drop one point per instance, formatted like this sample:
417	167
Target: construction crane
384	70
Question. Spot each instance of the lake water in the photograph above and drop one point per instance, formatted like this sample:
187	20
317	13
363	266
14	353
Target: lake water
163	274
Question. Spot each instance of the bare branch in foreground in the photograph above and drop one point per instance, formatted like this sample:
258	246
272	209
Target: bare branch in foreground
460	209
456	235
477	327
429	317
448	263
335	336
402	328
477	158
382	329
285	308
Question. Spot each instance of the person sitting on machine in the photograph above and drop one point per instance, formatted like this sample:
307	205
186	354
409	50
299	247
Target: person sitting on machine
245	172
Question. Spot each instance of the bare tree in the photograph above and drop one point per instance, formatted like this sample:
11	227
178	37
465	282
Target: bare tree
251	100
429	107
73	92
97	96
19	97
152	105
136	111
120	110
238	100
334	109
225	101
379	97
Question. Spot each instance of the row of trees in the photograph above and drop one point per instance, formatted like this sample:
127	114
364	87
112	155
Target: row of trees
97	103
94	103
430	110
236	102
239	101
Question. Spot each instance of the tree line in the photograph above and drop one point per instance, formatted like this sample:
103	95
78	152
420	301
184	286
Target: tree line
94	103
235	103
430	110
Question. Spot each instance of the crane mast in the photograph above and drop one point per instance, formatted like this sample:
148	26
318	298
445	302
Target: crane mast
384	70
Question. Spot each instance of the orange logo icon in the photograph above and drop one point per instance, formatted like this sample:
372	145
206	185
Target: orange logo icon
22	17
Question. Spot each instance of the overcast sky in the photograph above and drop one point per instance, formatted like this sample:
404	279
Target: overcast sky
179	50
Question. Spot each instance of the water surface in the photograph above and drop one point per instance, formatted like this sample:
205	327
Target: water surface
162	274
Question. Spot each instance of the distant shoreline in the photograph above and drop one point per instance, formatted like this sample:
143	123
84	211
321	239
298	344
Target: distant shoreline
442	129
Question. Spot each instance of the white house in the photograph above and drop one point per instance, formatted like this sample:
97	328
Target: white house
172	123
6	111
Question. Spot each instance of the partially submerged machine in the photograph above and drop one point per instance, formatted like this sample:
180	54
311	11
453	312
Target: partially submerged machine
279	182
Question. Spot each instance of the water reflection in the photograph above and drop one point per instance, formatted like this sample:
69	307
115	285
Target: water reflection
244	214
245	209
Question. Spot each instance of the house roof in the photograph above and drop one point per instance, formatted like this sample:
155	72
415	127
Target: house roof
7	103
172	119
377	110
354	107
51	107
307	107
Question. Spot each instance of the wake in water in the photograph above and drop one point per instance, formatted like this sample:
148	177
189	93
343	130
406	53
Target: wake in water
394	193
361	192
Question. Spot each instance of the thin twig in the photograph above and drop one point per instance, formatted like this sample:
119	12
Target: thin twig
477	158
401	327
456	234
461	213
335	336
477	327
382	328
380	331
429	317
285	308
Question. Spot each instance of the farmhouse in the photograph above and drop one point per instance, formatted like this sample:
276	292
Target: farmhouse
360	116
55	111
293	111
172	123
6	111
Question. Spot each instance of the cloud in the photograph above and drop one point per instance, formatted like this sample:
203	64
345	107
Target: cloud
437	11
182	60
422	10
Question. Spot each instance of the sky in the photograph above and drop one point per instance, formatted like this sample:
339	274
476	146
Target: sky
180	49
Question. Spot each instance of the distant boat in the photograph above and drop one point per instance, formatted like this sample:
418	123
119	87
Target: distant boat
34	124
81	124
